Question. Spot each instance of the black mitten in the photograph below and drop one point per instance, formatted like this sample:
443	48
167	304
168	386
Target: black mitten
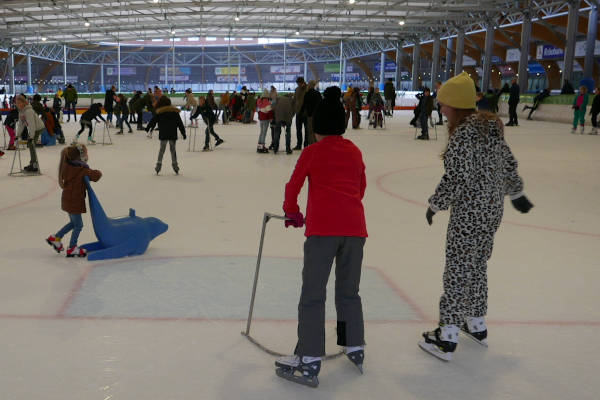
429	215
522	204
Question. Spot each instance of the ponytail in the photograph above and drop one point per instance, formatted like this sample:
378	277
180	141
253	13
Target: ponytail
74	152
61	167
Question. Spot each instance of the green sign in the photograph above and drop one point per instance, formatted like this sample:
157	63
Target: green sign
332	68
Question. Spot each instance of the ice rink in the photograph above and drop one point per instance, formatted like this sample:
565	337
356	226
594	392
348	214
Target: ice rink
166	325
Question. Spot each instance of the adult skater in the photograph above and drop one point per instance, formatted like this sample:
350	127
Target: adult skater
284	113
479	171
513	101
389	92
537	100
109	99
169	121
209	118
594	111
70	96
10	123
139	105
335	230
425	109
93	113
35	126
192	105
72	168
312	98
580	103
122	108
301	90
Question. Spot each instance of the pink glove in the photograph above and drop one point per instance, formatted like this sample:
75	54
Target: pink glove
294	219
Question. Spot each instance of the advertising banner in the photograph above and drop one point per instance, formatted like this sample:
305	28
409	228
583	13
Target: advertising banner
547	52
178	71
288	78
349	76
231	79
289	69
389	66
228	70
336	68
513	55
61	79
535	68
125	71
468	61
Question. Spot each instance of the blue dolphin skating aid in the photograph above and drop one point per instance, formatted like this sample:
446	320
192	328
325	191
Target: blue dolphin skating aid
119	237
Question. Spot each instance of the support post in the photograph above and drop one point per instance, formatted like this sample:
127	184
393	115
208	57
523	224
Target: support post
435	62
29	82
239	69
567	73
382	71
102	87
399	55
119	67
65	64
416	63
306	70
173	65
523	78
341	64
590	42
487	57
284	60
11	61
229	61
449	45
460	52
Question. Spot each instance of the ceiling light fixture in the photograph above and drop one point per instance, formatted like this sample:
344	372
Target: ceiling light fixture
156	1
173	32
86	23
401	22
237	17
297	33
351	1
43	39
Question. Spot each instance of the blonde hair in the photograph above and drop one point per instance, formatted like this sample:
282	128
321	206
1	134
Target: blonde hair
71	153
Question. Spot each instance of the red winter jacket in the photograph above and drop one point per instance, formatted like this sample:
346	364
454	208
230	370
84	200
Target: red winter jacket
336	186
265	111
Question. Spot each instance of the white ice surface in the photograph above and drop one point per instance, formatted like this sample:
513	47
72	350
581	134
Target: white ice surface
544	300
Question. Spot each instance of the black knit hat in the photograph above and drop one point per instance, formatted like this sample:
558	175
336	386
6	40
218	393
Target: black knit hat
329	117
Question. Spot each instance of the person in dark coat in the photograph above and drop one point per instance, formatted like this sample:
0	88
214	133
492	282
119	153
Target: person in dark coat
109	99
425	109
93	113
513	101
389	92
595	110
138	107
312	98
537	100
208	116
132	115
168	119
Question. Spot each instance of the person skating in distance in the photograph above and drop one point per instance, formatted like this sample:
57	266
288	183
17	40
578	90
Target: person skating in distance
335	230
480	170
169	121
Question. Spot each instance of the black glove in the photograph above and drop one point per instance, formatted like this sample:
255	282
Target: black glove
522	204
184	136
429	215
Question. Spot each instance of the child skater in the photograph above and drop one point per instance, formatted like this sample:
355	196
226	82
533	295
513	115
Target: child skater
72	168
209	118
335	230
93	113
479	171
169	121
580	103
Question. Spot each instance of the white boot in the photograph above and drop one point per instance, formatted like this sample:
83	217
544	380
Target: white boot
574	129
582	130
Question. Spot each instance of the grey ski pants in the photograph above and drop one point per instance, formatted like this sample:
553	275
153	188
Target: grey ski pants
161	152
319	254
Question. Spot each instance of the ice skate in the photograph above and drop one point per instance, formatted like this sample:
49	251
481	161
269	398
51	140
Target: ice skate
75	139
357	357
55	243
91	141
295	370
582	130
176	169
574	130
149	135
157	168
206	148
479	337
76	252
594	131
434	345
219	141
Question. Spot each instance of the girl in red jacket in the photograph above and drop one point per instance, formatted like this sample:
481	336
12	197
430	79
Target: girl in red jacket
71	171
335	230
265	115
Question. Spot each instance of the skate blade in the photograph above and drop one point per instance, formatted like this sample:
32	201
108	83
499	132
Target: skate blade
483	342
51	245
289	375
435	351
360	368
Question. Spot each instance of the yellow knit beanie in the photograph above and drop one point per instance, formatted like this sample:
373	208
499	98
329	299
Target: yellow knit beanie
458	92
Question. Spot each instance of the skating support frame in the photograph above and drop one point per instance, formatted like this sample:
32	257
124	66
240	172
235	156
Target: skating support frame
266	218
20	171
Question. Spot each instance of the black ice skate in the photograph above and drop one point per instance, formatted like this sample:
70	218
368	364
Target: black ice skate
434	345
357	357
479	337
293	369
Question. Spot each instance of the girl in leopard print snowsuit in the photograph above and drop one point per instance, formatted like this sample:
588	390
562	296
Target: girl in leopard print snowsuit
480	170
